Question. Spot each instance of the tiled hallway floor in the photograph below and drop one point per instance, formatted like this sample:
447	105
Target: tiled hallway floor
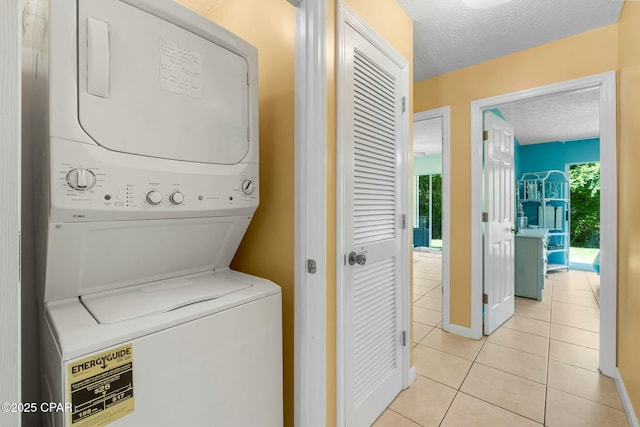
539	368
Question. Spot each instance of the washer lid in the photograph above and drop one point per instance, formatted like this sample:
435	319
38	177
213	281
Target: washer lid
154	87
159	297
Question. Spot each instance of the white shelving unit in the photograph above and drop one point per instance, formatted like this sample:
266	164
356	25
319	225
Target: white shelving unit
545	201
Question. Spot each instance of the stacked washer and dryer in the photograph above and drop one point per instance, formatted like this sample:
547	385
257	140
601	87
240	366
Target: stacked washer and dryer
149	182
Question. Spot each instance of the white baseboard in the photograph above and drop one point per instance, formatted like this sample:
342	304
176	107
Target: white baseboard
626	402
460	330
413	375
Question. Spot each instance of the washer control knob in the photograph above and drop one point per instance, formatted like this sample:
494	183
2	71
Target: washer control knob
154	197
176	198
81	179
248	187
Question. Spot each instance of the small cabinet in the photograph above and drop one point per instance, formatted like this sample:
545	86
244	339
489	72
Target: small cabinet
530	263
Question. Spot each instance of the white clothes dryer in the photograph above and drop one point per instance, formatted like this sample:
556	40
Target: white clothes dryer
149	180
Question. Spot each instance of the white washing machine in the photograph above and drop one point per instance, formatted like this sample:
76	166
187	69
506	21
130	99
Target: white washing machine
149	181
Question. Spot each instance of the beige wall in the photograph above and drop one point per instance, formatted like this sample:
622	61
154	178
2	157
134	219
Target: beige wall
270	26
392	23
629	201
578	56
267	248
614	47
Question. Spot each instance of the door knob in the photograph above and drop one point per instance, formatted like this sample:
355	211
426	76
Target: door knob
515	230
355	258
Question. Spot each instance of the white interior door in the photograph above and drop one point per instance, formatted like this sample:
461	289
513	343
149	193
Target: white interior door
373	201
499	282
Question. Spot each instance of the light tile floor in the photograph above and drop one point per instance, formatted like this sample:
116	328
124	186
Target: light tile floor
539	368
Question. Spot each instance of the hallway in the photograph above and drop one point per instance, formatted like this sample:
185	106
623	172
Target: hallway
539	368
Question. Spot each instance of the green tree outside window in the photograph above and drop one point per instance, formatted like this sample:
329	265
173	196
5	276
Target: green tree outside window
585	205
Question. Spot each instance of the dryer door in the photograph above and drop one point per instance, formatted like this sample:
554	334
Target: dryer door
148	86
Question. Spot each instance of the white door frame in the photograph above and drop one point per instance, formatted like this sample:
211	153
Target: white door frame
445	114
345	16
606	82
310	215
10	159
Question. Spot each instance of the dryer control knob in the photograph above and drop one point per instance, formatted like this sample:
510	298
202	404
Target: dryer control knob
248	187
81	179
154	197
176	198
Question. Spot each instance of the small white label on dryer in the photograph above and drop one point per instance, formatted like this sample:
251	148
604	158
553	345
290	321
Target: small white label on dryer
180	69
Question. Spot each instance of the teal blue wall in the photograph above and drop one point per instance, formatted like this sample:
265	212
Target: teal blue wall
495	111
556	155
516	160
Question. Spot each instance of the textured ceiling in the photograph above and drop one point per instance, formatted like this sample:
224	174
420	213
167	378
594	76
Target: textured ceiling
562	117
448	35
427	137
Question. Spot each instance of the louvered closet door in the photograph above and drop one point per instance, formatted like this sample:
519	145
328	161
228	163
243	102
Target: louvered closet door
373	229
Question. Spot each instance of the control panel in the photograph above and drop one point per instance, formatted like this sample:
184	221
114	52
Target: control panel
154	197
88	185
248	187
81	179
177	198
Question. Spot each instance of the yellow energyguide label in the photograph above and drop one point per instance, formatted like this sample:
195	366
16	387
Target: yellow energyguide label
101	387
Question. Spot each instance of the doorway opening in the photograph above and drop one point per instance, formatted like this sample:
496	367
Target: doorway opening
605	87
427	219
431	198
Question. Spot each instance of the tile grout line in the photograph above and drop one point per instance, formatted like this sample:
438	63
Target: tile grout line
594	295
571	326
578	308
436	381
572	343
511	373
577	366
458	390
581	367
419	343
398	413
574	327
501	407
430	330
577	345
525	332
486	401
450	404
546	386
426	324
445	352
588	399
518	349
569	343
